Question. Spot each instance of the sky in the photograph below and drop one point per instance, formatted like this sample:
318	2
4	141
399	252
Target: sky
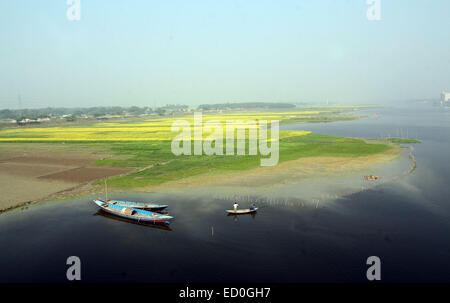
152	53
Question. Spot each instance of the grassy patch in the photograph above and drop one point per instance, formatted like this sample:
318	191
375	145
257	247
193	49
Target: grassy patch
160	165
402	141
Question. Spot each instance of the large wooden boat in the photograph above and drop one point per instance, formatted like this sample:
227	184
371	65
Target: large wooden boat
138	215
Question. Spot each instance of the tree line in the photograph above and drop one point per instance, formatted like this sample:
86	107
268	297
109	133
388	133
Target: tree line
244	105
89	111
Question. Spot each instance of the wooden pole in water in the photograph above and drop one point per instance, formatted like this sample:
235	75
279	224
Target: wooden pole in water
106	191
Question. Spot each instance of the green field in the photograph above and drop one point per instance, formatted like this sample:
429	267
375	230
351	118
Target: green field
159	165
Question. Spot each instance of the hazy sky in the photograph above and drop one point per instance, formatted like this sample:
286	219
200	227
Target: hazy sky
158	52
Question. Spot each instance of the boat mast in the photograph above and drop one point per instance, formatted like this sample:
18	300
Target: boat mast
106	191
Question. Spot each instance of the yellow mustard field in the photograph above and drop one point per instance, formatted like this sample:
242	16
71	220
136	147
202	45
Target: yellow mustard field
158	129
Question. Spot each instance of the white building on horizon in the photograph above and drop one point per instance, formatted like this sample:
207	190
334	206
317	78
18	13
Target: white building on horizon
445	97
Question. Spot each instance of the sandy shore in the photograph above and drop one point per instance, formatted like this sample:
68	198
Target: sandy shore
284	173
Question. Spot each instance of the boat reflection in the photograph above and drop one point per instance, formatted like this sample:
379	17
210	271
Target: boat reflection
236	216
152	225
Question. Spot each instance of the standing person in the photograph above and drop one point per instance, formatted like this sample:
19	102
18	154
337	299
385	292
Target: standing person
235	205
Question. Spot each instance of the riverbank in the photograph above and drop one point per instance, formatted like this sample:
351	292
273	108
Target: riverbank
36	172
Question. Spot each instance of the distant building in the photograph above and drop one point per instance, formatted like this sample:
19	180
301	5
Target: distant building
445	97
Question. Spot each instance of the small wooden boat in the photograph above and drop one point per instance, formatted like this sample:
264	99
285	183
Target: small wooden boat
137	205
138	215
241	211
371	178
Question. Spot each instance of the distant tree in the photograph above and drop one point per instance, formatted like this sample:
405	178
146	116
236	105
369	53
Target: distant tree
160	111
70	118
134	109
245	105
7	114
78	113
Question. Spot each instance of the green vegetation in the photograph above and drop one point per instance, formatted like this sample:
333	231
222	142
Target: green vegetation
159	165
402	141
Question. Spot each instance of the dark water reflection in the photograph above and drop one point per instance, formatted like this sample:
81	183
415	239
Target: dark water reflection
147	224
406	224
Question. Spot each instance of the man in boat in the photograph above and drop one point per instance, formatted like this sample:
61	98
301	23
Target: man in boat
252	206
235	205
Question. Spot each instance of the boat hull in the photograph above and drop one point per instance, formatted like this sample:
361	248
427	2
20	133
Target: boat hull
104	214
241	211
